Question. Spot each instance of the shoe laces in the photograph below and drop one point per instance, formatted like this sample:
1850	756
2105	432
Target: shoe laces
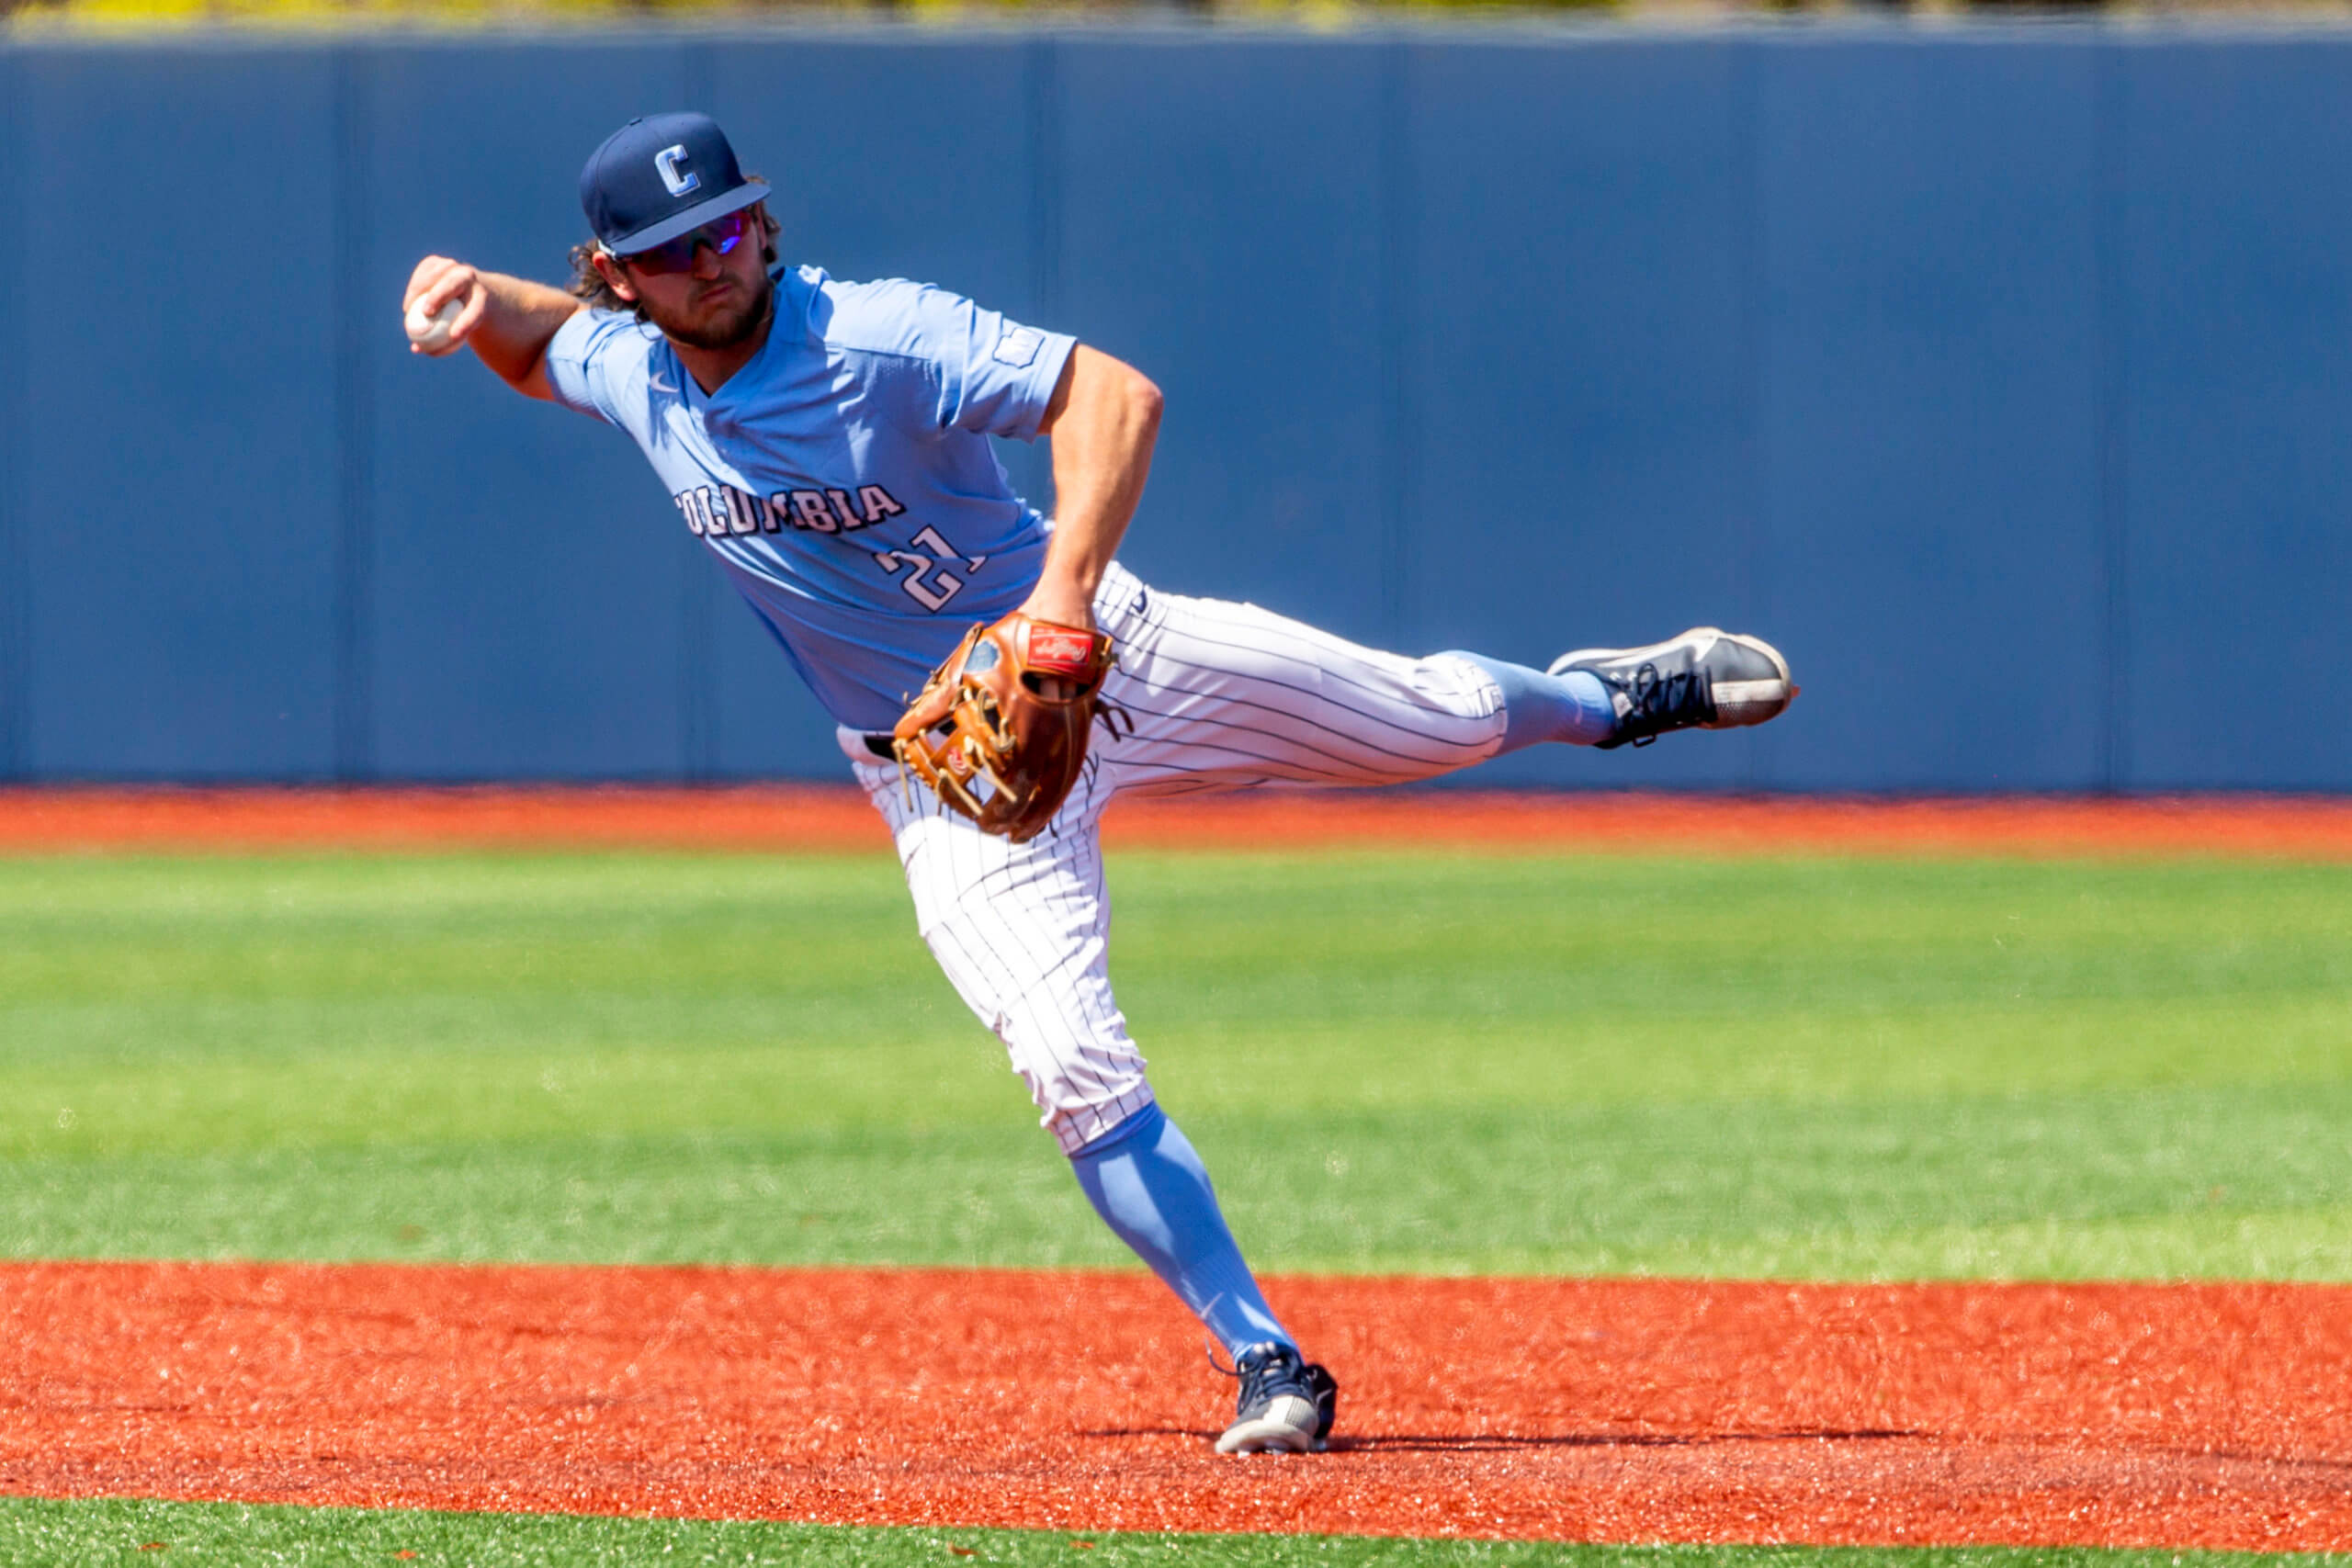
1276	1367
1666	701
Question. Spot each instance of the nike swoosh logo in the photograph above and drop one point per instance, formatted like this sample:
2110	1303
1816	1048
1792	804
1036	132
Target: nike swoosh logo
659	384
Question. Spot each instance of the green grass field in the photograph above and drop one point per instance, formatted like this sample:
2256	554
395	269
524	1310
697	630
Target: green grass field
1817	1068
115	1533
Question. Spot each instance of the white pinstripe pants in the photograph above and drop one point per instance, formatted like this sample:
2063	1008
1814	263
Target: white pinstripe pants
1223	696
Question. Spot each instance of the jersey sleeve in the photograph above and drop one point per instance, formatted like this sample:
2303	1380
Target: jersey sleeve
991	375
594	360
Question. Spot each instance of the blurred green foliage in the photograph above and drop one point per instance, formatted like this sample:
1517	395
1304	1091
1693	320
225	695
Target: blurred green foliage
365	15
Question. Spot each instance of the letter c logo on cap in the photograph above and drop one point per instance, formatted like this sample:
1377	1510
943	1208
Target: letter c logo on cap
670	162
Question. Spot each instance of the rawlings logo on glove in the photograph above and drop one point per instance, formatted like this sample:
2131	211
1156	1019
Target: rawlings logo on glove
1000	730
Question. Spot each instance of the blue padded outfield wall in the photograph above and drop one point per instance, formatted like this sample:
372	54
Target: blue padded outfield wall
2001	377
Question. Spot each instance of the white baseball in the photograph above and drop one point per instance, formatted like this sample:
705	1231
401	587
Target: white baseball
430	332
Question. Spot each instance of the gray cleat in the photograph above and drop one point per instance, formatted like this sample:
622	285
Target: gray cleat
1285	1405
1705	679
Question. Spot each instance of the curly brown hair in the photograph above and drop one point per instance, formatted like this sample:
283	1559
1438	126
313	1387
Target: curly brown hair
589	284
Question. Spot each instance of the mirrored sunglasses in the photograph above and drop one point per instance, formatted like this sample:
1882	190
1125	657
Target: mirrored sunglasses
722	234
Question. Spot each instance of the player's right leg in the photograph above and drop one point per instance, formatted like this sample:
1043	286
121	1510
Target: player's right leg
1022	932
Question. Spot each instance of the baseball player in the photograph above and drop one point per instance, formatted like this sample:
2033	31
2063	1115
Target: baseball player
828	443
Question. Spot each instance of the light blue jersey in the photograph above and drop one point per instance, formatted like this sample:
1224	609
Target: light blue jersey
843	478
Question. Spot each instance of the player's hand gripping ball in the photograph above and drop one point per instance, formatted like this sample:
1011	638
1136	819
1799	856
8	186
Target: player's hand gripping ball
430	333
1000	730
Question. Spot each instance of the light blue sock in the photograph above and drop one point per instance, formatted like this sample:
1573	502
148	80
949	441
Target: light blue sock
1149	1186
1574	707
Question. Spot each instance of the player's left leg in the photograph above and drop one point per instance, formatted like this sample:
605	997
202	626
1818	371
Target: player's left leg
1705	679
1214	695
1227	695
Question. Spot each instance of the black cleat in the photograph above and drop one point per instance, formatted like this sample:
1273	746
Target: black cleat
1705	679
1285	1405
1327	1403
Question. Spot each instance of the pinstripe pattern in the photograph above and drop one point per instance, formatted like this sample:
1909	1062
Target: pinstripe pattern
1227	695
1223	696
1023	931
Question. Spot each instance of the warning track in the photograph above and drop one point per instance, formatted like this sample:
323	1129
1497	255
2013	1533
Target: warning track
2177	1415
836	818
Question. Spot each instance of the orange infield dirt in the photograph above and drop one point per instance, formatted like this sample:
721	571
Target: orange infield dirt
1610	1410
831	818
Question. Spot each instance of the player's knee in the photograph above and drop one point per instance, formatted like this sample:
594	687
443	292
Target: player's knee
1454	685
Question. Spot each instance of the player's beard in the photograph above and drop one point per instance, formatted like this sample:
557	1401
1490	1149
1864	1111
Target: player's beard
724	330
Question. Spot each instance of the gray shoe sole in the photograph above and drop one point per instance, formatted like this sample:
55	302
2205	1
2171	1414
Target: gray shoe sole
1286	1427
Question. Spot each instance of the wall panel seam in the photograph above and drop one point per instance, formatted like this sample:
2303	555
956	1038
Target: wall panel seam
16	578
699	585
1745	117
1040	70
1044	95
1398	331
352	656
2113	763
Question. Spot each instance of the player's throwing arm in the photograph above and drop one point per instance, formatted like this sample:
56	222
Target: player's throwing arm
507	320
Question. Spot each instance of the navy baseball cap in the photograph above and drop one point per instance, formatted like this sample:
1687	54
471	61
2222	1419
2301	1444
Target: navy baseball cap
659	176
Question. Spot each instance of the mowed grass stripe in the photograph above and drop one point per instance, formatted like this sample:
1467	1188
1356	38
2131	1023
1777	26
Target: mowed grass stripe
122	1531
1398	1061
2144	1184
